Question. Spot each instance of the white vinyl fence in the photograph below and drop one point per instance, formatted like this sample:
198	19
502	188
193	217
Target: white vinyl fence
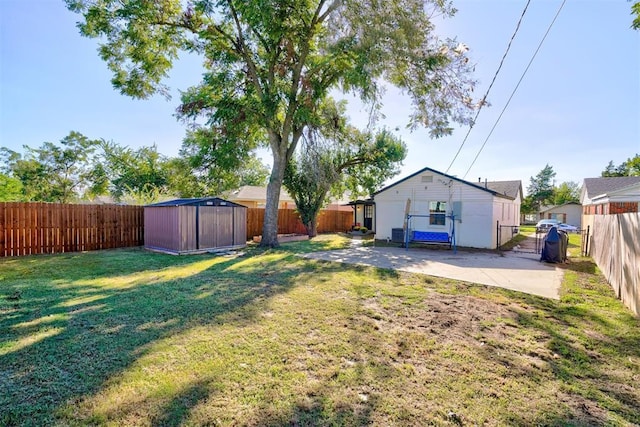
615	247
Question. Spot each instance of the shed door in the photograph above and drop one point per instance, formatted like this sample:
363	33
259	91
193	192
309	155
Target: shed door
240	226
215	226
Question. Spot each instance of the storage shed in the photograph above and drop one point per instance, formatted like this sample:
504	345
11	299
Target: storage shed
184	226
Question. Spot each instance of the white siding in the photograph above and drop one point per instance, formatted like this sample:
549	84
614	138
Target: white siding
506	212
475	228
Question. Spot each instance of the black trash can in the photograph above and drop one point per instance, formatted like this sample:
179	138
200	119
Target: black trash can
554	246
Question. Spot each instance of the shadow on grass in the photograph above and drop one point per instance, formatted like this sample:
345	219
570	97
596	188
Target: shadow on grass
581	265
593	341
178	409
81	319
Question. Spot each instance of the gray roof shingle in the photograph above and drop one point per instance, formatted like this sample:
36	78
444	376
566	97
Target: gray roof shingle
507	188
597	186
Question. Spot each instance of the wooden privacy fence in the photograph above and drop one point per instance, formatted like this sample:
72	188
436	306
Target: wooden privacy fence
615	247
44	228
329	221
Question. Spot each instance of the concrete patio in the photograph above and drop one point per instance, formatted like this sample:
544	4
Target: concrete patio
511	270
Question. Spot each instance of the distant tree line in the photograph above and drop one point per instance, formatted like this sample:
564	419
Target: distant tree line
543	192
82	169
630	167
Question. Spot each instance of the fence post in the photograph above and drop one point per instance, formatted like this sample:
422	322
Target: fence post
2	229
586	245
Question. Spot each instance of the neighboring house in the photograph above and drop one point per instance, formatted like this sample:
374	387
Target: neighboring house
253	196
609	196
479	207
568	213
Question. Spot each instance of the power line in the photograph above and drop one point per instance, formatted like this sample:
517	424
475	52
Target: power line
484	98
516	88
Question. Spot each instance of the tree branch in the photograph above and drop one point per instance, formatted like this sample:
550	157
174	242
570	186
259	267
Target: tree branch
243	50
321	18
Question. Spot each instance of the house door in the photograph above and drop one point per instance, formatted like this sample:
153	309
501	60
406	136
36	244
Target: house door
368	217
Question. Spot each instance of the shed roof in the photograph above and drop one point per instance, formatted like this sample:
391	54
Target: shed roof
599	186
203	201
509	189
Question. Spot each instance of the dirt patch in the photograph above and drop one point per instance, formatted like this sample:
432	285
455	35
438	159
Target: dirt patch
448	317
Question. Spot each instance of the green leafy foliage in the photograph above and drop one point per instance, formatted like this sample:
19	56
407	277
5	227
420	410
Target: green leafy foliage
54	173
630	167
135	172
566	192
337	157
356	161
219	164
635	11
528	206
269	65
10	189
541	189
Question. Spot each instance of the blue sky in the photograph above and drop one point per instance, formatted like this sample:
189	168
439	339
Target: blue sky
577	108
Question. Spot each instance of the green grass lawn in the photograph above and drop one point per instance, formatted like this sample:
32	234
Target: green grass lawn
128	337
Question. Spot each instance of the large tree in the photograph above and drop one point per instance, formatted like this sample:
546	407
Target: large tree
217	165
630	167
541	187
144	175
361	161
54	172
566	192
270	63
140	174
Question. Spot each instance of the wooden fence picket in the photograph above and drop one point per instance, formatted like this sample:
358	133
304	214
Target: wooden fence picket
42	228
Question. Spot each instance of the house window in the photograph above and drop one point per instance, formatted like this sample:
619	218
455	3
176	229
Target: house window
437	211
368	211
427	178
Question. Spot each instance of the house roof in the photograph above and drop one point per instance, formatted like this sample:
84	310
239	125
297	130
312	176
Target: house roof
628	193
256	193
204	201
598	186
550	207
508	189
360	202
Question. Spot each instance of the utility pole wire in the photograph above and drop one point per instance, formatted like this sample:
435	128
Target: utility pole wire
484	98
516	88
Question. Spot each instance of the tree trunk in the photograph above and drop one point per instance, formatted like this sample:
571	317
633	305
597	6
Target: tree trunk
312	227
270	225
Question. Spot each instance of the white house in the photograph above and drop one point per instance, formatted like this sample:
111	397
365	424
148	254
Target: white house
479	208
